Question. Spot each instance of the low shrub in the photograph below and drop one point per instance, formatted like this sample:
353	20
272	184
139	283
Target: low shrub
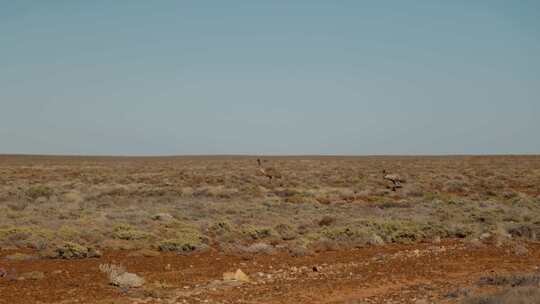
298	250
186	239
521	295
260	248
327	221
526	231
34	192
67	233
179	245
220	228
257	233
34	237
71	250
510	280
286	232
127	232
397	231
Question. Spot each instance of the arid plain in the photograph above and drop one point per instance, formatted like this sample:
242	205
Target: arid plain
201	229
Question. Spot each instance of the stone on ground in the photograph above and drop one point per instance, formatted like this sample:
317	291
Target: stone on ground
127	280
33	275
239	275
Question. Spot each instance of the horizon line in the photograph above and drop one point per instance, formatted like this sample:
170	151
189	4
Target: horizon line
75	155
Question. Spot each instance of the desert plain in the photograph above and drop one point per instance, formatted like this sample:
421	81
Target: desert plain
216	229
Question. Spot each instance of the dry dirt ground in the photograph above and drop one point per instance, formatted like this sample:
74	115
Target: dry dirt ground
421	273
330	230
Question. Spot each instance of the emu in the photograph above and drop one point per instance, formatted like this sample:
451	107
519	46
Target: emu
269	172
394	178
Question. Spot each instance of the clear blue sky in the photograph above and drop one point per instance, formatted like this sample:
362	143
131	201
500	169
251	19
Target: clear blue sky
278	77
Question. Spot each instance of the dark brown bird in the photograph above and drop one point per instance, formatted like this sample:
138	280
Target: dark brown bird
269	172
394	178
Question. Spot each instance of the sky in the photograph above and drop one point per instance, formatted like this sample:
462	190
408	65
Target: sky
270	77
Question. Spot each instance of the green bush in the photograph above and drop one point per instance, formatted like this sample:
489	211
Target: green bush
127	232
186	244
257	233
36	191
186	239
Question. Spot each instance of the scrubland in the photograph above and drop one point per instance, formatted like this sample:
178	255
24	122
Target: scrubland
181	204
81	207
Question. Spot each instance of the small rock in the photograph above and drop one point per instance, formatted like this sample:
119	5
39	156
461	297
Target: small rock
163	217
485	236
3	272
128	280
520	250
20	257
33	275
375	239
239	275
228	276
260	248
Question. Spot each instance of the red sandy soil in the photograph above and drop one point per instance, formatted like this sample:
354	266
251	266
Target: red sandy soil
419	273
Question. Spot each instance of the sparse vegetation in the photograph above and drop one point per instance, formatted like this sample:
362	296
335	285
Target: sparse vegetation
181	204
186	241
127	232
522	295
75	251
183	222
37	191
516	280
